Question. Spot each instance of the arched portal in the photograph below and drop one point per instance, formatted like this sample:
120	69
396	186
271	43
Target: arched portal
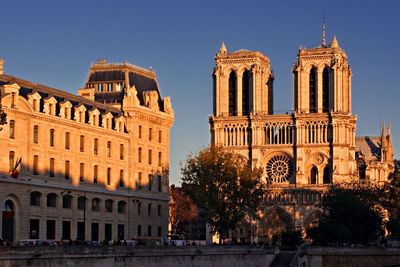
8	221
313	175
274	222
232	94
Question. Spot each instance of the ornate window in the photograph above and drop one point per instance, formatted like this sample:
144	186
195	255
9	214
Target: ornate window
279	169
232	94
314	175
325	90
313	89
246	93
327	175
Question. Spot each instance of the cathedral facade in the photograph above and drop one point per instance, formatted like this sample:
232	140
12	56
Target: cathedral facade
302	153
93	166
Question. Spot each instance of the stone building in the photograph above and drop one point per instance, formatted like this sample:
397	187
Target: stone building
304	152
94	166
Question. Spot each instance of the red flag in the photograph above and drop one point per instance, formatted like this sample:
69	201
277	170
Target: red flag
17	167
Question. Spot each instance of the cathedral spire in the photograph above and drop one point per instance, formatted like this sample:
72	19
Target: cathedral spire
222	50
323	31
383	136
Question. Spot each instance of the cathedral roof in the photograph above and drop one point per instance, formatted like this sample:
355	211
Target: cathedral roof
369	147
28	88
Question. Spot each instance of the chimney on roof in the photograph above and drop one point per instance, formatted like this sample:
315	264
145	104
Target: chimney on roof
1	66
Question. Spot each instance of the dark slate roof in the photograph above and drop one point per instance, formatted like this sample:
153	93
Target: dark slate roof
103	76
369	147
28	87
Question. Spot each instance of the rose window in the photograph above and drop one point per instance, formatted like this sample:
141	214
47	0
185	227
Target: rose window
279	169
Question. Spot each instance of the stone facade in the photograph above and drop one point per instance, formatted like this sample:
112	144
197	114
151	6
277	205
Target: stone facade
93	166
302	153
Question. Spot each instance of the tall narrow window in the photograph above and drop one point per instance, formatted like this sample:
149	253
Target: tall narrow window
121	151
67	201
108	149
67	136
159	159
11	161
50	229
139	186
51	137
140	131
140	155
313	88
325	90
81	172
36	165
159	136
51	171
314	175
159	231
12	129
139	207
67	169
327	175
159	183
108	175
150	133
246	93
95	173
149	209
150	154
139	230
159	210
150	181
82	143
232	94
121	178
96	146
149	231
36	134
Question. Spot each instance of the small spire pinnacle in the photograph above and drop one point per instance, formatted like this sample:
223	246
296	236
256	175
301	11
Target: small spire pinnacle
389	133
222	50
334	43
383	137
323	30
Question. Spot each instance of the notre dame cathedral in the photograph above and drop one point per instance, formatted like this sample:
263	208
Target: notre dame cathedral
302	153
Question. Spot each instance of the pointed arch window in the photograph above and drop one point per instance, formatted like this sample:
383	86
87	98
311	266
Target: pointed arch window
232	94
246	93
313	90
327	175
314	175
325	90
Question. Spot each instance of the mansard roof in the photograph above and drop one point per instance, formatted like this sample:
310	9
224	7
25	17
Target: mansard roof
28	88
143	79
369	147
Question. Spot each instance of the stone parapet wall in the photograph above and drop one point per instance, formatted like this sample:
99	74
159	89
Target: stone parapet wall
137	256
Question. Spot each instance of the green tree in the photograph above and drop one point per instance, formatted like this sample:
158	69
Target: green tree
224	184
392	200
181	208
351	214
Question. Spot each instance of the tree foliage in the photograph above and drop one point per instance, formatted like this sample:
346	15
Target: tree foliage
351	214
224	184
392	201
181	208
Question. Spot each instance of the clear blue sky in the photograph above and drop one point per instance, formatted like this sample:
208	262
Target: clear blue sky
54	42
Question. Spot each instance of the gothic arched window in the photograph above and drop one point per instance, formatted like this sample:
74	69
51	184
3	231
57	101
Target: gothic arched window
232	94
246	93
313	175
325	90
313	90
327	175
